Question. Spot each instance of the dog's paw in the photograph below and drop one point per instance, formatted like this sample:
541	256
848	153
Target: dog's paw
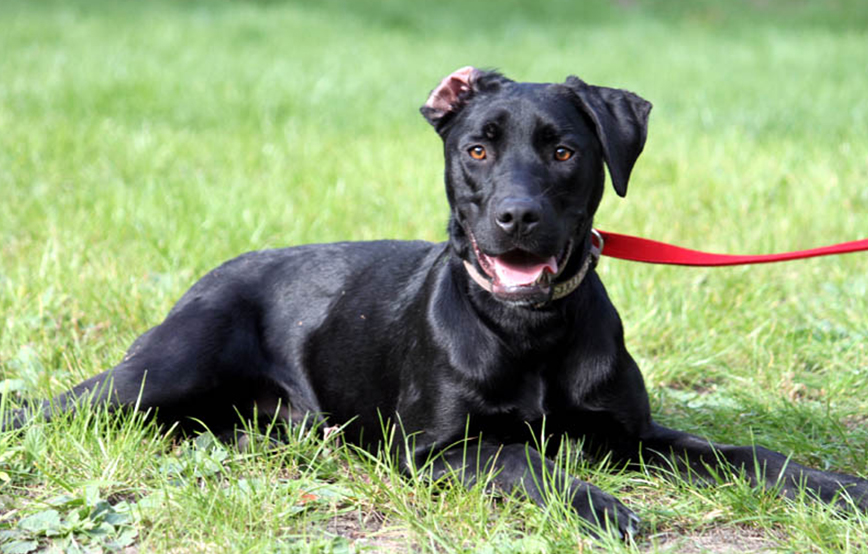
632	527
606	512
845	492
853	494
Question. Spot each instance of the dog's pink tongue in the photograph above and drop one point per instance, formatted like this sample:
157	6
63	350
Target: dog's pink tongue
525	272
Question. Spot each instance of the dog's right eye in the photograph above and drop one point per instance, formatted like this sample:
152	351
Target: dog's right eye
563	154
477	152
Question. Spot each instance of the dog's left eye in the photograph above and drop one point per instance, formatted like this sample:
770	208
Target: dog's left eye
563	154
477	152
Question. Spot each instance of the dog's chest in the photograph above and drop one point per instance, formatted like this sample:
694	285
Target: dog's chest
523	396
532	403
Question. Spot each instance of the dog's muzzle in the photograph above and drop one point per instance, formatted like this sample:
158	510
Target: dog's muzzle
520	278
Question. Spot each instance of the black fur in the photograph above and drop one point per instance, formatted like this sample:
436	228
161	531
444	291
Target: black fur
356	332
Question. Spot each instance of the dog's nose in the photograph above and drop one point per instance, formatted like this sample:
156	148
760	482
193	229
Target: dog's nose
518	216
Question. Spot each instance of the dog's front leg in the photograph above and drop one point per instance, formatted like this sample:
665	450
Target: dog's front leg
698	457
522	469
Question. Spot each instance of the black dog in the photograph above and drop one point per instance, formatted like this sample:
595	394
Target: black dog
486	336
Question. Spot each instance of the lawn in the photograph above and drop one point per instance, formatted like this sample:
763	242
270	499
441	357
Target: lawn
143	143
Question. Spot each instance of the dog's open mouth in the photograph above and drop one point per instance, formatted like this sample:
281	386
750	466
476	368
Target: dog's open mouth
518	268
520	275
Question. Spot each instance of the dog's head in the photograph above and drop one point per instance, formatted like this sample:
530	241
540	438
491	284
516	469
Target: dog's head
524	172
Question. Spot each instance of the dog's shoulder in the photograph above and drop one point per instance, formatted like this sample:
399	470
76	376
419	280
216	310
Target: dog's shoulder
315	270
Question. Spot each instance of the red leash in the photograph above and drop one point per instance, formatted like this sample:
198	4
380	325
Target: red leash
638	249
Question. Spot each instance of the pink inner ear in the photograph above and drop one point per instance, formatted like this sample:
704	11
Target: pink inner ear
447	92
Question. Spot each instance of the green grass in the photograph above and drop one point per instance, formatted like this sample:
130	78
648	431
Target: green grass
143	143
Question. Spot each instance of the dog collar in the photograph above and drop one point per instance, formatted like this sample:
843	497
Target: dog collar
559	289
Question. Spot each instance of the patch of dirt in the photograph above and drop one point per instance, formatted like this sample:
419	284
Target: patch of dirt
856	422
717	540
371	533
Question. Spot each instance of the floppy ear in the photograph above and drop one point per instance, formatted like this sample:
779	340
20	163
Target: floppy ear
621	121
455	90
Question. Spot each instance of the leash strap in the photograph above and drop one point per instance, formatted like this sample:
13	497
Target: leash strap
626	247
